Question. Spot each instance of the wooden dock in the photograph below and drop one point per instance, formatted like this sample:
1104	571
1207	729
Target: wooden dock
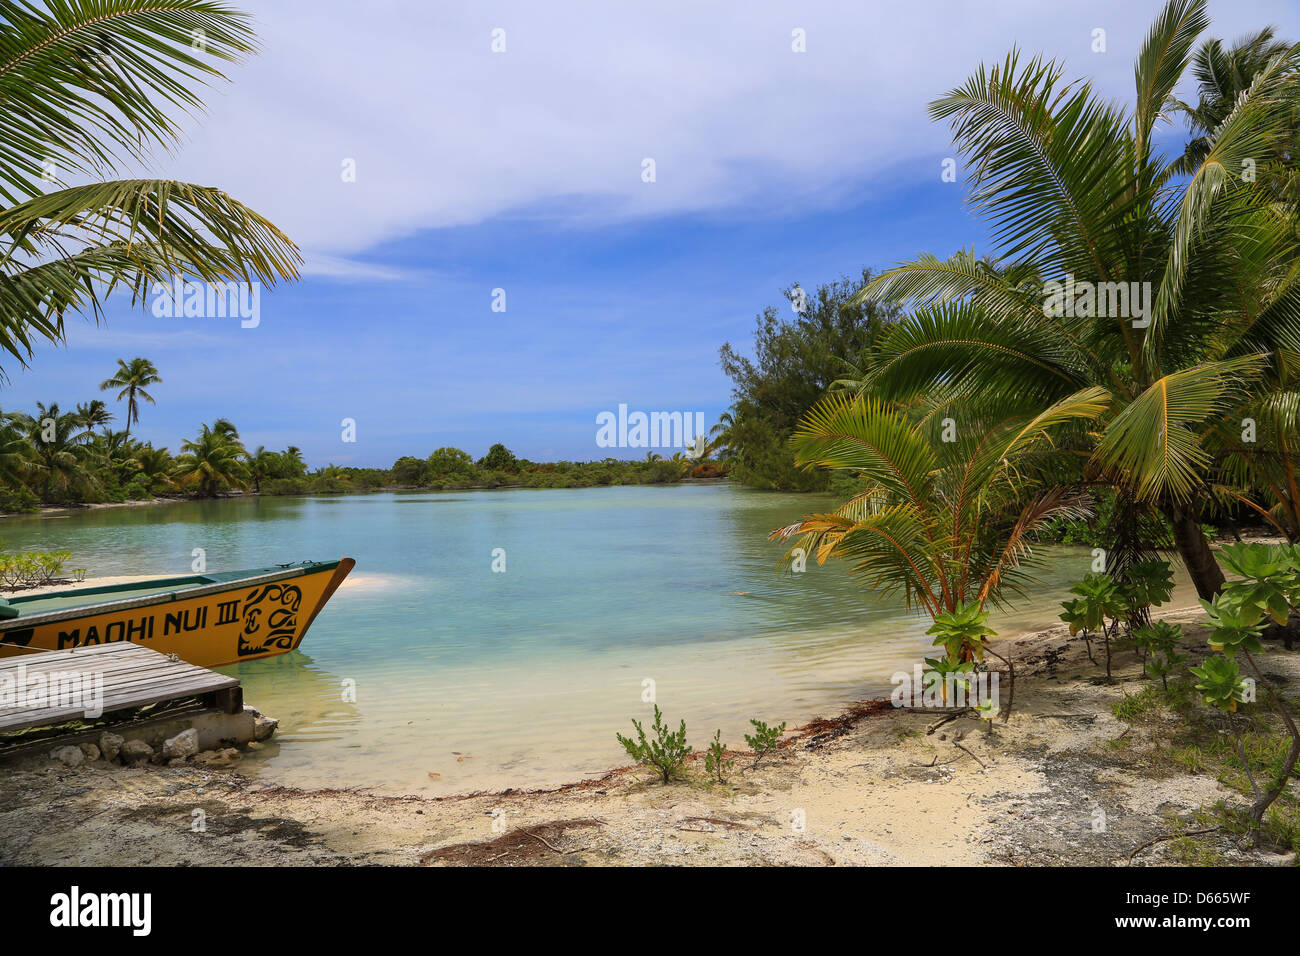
121	675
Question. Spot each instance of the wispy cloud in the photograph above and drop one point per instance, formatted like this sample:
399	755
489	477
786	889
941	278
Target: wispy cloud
356	270
351	130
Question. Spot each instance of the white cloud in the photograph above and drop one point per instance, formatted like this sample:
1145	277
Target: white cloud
444	132
354	270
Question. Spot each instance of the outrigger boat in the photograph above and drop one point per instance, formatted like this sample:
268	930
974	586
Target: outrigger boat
206	619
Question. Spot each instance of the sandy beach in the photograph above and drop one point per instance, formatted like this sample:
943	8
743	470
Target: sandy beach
1064	782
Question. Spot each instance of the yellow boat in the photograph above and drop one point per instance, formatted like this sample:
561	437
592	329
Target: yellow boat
209	619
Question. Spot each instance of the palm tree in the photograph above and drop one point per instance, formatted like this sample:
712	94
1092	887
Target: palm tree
1077	196
60	451
211	462
117	452
720	435
948	523
1222	75
15	451
86	85
945	520
226	428
261	465
133	378
295	466
94	413
155	467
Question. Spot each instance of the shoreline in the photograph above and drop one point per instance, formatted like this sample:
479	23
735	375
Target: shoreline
874	785
56	511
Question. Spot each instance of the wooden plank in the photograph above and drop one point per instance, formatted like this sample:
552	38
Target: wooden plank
131	676
188	683
117	697
90	650
111	668
125	676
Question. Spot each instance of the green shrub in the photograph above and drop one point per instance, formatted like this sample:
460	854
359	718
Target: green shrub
666	753
764	740
1159	643
32	568
716	763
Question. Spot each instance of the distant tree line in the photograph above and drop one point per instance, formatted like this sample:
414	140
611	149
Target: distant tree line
55	456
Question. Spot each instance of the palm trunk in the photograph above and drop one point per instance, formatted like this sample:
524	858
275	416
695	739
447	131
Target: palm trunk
1195	550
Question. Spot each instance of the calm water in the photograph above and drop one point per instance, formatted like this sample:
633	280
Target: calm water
521	678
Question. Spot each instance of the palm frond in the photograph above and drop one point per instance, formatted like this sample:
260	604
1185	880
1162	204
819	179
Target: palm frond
1155	442
86	84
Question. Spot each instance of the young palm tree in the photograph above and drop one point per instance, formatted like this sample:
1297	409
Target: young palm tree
946	510
1075	192
86	85
211	463
133	378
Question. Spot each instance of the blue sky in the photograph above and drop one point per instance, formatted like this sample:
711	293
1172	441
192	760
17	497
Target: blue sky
522	171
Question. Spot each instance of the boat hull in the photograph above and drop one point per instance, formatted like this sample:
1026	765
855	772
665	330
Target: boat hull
211	625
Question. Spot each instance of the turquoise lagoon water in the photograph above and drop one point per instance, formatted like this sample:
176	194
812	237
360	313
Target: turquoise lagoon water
466	678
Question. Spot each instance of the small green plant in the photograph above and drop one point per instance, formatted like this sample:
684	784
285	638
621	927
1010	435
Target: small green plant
1237	625
1237	616
1165	665
1099	598
1220	683
1077	615
1147	583
764	740
1159	643
32	568
962	632
666	752
942	667
1270	582
716	764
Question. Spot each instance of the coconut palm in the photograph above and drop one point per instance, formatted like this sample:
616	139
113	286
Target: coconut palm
87	85
1222	74
94	413
116	451
210	463
132	378
225	427
155	467
294	465
15	451
60	450
1075	193
261	465
943	519
720	436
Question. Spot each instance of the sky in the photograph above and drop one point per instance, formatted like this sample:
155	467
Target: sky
427	177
